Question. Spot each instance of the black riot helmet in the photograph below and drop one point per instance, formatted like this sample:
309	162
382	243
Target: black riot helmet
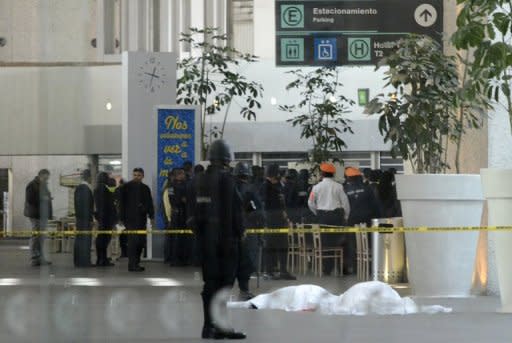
219	152
292	174
242	169
273	170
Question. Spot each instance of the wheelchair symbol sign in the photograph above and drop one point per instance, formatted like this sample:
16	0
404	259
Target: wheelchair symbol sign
326	49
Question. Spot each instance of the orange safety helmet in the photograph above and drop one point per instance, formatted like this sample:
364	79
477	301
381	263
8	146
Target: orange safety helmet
327	167
352	171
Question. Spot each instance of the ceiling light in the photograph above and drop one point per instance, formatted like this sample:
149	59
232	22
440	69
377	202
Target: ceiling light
115	163
108	106
273	101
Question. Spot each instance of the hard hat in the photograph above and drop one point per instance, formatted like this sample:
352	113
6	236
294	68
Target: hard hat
327	167
219	151
352	171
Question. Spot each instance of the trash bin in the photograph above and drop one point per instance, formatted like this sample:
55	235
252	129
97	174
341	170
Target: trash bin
389	261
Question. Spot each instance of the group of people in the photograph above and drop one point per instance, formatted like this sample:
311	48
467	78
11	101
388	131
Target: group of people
130	204
219	203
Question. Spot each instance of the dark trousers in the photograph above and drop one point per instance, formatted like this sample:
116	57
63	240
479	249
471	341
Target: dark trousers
276	253
332	240
219	266
102	242
82	245
123	244
248	255
182	246
136	243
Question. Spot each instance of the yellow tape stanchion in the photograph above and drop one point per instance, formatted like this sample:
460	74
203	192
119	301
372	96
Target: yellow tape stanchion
258	231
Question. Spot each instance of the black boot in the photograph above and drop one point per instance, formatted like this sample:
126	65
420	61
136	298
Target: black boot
211	332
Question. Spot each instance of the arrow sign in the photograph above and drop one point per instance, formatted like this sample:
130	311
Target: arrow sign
425	15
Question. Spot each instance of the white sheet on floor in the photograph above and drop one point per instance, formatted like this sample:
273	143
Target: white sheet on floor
361	299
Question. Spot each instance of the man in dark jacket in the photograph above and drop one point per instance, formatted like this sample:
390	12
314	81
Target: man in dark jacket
106	215
291	196
84	210
38	208
215	213
276	217
136	206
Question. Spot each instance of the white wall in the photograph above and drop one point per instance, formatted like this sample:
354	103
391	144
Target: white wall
47	30
47	110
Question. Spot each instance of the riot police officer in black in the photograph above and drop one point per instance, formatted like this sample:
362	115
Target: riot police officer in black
253	216
215	214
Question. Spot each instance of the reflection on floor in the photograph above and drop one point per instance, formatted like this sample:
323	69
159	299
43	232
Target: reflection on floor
64	304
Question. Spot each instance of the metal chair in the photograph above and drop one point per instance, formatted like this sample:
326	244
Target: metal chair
321	253
363	256
305	250
293	249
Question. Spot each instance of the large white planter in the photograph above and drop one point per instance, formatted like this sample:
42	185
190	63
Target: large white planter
497	186
441	264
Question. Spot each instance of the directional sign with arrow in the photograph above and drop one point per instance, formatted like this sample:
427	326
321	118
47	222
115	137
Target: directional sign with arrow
350	32
425	15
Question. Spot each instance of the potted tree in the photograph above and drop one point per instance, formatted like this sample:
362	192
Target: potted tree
486	27
428	109
320	113
209	78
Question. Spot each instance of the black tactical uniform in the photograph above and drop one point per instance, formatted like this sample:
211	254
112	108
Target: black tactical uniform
364	207
252	217
136	207
216	216
276	217
181	249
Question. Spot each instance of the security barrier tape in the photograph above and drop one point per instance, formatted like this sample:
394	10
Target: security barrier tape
259	231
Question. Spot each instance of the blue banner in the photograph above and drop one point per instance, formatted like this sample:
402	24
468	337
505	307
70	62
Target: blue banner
176	145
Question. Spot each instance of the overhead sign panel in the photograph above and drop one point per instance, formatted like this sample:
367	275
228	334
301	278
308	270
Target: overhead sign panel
350	32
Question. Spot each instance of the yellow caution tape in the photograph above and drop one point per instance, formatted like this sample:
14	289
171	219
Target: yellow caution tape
258	231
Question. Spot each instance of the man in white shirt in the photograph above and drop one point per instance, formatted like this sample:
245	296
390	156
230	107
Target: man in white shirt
329	202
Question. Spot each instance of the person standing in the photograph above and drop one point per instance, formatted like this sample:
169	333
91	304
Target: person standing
363	202
387	197
276	217
181	249
38	208
123	238
252	217
166	209
136	206
329	202
84	212
364	206
291	196
215	214
106	215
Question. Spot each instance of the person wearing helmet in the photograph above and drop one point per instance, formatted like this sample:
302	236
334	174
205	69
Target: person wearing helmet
252	217
215	214
329	202
291	195
276	217
365	207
